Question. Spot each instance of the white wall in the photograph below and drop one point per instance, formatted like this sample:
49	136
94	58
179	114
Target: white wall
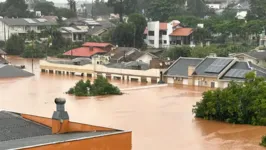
145	58
153	26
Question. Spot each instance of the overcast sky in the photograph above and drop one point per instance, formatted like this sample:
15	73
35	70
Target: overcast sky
60	1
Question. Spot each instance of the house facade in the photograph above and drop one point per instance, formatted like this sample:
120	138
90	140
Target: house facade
257	57
74	34
213	72
10	26
163	34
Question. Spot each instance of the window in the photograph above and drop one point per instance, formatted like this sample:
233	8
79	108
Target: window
79	37
151	33
74	37
151	41
162	32
164	41
27	28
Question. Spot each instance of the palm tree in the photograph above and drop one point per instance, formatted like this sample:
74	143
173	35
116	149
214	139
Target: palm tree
31	36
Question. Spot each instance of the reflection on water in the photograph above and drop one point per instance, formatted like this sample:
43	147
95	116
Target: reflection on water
160	118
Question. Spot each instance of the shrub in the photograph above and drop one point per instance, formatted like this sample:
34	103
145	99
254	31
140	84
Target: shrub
263	141
241	103
101	86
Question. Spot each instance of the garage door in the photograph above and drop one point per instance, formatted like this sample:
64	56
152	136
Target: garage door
170	80
185	81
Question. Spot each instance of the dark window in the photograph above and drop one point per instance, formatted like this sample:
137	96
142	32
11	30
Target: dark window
74	37
79	37
164	41
151	33
151	41
162	32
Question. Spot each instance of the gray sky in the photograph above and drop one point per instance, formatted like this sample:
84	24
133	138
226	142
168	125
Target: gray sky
59	1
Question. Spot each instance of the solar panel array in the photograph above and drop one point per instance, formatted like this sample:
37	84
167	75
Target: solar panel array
30	21
218	65
237	73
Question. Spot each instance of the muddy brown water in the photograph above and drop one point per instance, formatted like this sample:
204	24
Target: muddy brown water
159	118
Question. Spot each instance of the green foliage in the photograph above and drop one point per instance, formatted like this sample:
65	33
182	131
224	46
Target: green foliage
64	12
176	52
14	8
34	52
240	103
47	8
203	51
140	24
123	7
100	8
123	35
101	86
14	45
263	141
94	39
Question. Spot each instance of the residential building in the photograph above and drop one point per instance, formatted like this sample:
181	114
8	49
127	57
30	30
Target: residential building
180	72
25	131
214	72
127	54
10	26
90	49
257	57
74	34
163	34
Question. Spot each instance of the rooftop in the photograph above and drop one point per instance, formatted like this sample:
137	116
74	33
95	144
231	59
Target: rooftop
8	71
212	66
180	66
182	32
84	51
17	133
27	21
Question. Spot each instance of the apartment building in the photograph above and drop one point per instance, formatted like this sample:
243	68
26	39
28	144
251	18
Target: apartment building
163	34
10	26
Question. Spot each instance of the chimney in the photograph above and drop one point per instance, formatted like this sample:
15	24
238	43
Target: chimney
191	69
60	117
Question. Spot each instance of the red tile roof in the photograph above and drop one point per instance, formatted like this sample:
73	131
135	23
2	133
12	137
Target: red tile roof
84	52
94	44
163	25
182	32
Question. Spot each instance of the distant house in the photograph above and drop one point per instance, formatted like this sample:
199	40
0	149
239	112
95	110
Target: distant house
31	132
74	34
10	26
214	72
164	34
257	57
90	49
127	54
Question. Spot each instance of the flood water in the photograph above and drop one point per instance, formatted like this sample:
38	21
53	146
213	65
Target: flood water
159	118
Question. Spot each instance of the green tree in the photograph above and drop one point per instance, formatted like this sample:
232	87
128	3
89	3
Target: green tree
64	12
175	52
123	7
257	9
15	8
140	24
14	45
46	8
124	35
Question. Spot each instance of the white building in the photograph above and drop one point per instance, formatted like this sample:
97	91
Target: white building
74	34
161	34
214	6
9	26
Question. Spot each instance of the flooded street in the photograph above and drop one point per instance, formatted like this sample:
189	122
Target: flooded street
159	118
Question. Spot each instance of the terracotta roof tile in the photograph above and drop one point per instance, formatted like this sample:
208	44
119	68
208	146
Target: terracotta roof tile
182	32
84	52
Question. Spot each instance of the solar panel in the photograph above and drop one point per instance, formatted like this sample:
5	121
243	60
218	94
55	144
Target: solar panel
237	73
30	21
218	65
